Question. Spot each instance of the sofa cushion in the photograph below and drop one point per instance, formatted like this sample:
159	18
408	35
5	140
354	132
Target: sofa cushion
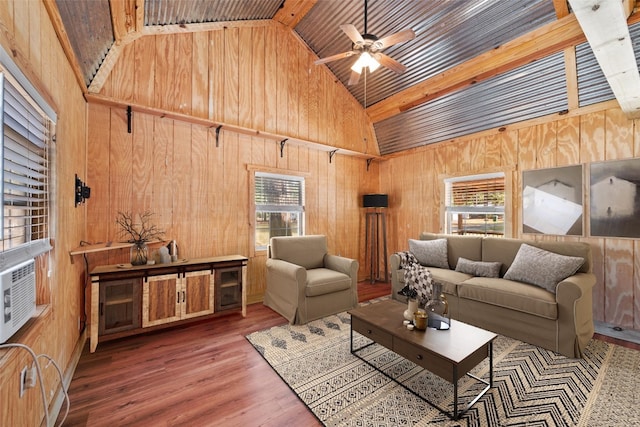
512	295
542	268
469	247
322	281
449	279
430	253
478	268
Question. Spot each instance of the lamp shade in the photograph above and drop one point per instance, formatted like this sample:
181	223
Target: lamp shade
375	201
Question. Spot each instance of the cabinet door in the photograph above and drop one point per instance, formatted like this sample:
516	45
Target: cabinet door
119	306
228	291
162	297
198	287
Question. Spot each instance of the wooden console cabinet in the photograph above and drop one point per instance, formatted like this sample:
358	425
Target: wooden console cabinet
128	300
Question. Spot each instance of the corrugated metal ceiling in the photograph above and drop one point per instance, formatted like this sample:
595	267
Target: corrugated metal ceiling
166	12
530	91
90	31
447	34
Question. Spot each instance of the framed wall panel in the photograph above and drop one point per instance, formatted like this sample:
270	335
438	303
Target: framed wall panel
552	201
615	198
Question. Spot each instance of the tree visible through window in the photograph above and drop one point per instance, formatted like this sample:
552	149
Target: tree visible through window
475	204
279	201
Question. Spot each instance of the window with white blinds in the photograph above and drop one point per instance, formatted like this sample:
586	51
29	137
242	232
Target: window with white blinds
25	175
279	203
475	204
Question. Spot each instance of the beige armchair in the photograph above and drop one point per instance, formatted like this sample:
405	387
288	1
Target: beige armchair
305	283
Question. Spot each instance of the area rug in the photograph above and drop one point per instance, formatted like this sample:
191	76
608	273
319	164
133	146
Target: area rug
532	386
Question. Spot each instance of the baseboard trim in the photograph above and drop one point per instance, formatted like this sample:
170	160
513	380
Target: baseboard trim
58	401
618	332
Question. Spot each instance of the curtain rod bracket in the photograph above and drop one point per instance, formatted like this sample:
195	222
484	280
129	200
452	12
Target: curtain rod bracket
284	141
331	154
129	113
218	135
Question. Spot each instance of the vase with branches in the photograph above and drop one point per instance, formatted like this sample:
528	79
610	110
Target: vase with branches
139	232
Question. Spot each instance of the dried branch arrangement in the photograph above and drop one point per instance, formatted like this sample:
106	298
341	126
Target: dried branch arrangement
138	232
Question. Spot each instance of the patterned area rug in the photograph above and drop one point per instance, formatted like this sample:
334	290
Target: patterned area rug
532	386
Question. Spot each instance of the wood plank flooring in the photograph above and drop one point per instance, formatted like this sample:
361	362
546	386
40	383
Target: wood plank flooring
203	374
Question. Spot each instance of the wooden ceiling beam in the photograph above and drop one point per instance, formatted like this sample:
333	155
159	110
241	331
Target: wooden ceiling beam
537	44
561	7
123	18
292	11
605	26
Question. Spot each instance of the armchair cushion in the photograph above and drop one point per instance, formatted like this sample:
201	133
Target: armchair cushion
322	281
305	251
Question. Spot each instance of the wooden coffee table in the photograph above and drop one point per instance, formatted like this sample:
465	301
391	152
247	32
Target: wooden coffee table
450	354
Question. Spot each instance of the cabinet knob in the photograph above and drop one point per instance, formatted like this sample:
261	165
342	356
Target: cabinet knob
369	331
419	357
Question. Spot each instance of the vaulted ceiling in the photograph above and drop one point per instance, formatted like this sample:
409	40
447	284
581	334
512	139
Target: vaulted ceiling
473	65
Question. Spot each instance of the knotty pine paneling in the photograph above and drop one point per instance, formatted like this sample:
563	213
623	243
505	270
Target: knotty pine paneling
262	78
200	193
591	137
28	35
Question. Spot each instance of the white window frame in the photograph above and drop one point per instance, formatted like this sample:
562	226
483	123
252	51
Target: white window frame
27	127
450	210
298	209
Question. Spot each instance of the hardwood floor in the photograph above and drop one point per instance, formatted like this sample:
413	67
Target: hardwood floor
203	374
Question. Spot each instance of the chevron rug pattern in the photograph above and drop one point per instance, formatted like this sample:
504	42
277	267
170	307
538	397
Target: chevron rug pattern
532	386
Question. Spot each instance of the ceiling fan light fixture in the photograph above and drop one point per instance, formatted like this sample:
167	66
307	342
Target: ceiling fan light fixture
365	60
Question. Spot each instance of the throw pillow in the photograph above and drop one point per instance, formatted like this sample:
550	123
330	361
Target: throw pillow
430	253
479	268
542	268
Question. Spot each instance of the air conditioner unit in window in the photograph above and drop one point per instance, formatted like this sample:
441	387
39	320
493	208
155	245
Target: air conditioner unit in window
18	297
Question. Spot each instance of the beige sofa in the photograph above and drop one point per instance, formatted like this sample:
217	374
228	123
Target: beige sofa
305	282
561	322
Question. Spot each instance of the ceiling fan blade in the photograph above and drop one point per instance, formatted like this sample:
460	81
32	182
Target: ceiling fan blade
401	37
390	63
355	76
352	32
334	57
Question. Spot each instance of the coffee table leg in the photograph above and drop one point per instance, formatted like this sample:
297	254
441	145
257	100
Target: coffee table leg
455	392
490	363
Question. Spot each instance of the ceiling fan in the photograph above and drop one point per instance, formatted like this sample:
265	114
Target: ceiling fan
367	48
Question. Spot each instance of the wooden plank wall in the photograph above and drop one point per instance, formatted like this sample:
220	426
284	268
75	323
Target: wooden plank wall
415	199
261	78
200	193
28	36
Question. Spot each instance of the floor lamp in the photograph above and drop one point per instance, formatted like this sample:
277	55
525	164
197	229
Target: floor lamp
375	225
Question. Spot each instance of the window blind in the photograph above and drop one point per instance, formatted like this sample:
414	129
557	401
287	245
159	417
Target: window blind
274	193
478	195
25	176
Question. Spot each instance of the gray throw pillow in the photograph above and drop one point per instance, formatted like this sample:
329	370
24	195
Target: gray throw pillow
542	268
430	253
479	268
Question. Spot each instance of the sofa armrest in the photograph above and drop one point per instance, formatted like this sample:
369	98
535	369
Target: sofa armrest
397	278
574	296
286	280
344	265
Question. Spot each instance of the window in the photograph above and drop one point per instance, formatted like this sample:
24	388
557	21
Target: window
475	204
26	138
279	201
